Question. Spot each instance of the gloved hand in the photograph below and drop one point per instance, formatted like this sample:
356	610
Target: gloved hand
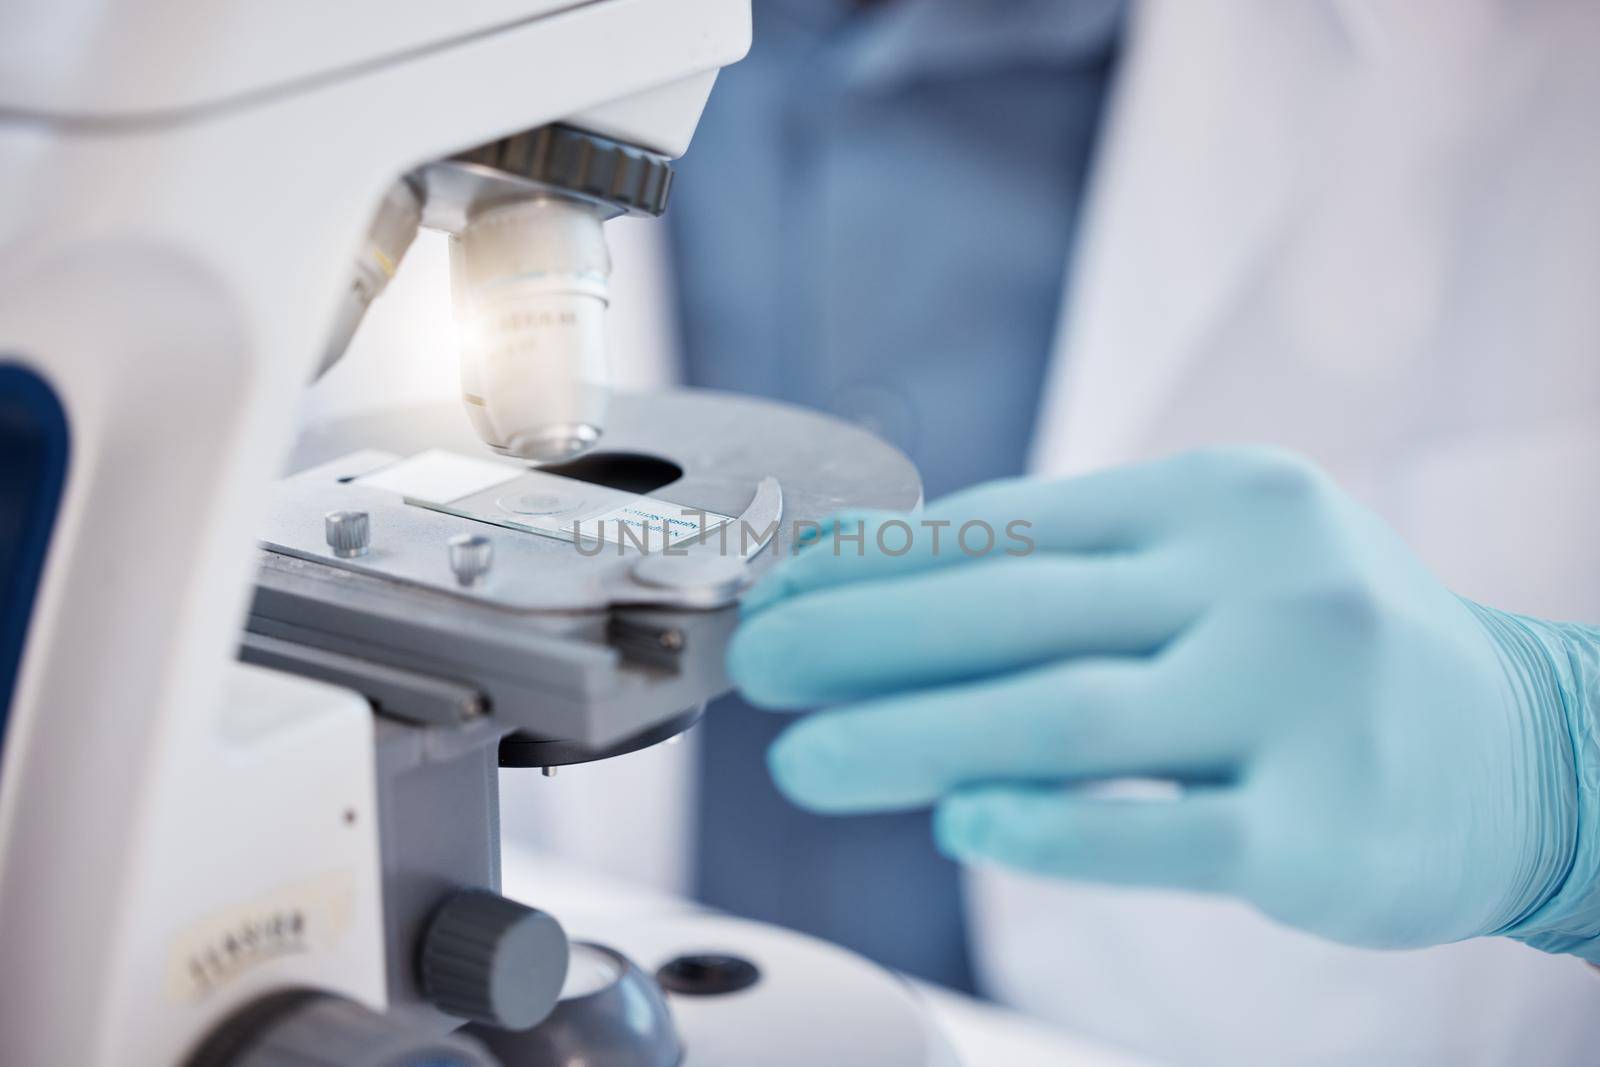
1360	753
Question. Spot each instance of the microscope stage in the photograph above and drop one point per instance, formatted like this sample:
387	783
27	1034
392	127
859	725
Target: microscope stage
606	596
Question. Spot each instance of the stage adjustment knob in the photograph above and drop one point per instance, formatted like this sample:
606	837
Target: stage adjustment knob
492	960
470	558
349	533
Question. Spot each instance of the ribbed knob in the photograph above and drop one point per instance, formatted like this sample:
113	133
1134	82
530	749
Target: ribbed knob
577	161
493	960
311	1029
349	533
470	557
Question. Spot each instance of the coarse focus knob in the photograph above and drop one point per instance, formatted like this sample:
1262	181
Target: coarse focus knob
349	533
312	1029
493	960
470	557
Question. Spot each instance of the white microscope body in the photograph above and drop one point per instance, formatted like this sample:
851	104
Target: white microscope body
186	840
186	183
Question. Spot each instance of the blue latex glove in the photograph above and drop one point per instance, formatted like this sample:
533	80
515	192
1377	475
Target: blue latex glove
1361	753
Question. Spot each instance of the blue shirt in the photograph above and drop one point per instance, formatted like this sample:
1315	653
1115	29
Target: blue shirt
874	220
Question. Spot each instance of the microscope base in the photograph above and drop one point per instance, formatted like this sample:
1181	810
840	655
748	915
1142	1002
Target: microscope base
813	1002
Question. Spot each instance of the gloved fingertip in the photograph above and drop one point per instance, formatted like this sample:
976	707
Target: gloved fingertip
765	593
799	768
845	526
754	663
960	825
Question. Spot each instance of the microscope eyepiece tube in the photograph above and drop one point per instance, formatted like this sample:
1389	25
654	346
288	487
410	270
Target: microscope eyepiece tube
531	282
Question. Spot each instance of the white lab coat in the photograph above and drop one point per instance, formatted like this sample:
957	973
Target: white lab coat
1371	232
1366	230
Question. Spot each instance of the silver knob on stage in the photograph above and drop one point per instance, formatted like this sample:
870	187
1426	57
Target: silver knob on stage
349	533
470	557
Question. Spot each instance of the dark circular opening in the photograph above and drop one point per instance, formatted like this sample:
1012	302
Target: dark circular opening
706	974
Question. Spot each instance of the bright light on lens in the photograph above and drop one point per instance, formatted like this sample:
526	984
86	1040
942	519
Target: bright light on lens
531	281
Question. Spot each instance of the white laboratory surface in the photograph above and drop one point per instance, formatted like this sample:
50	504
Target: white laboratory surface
589	903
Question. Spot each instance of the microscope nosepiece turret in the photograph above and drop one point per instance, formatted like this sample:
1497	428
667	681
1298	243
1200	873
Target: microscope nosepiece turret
530	276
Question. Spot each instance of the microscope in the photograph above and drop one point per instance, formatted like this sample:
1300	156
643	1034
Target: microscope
276	844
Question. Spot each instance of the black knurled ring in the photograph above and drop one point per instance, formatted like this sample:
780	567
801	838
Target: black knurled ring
584	163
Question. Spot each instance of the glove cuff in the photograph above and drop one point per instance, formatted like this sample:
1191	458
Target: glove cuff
1556	667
